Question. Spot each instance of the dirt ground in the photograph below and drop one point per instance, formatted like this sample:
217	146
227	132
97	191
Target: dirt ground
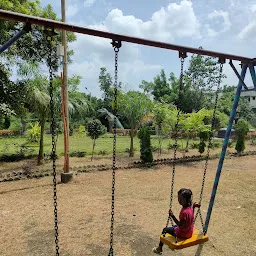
142	200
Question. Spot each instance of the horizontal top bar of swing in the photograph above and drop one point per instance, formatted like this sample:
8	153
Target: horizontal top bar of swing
13	16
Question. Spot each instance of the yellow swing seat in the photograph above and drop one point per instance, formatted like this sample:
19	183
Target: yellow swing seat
197	238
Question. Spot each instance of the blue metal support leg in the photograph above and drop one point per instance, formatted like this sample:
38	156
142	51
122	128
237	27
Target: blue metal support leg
237	74
224	147
25	30
253	75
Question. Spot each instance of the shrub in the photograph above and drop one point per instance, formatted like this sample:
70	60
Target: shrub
12	157
195	145
49	156
102	152
201	147
145	145
94	130
127	150
154	148
7	122
71	130
77	154
172	146
24	150
231	143
253	140
215	144
203	135
34	132
15	123
81	129
241	130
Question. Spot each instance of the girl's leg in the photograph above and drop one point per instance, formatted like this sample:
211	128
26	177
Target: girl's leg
168	230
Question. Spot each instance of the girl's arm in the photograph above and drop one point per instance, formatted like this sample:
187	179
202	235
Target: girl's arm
177	222
196	205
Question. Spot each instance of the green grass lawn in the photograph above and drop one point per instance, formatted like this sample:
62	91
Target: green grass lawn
78	142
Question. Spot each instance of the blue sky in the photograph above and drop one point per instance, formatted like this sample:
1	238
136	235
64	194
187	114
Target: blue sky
224	26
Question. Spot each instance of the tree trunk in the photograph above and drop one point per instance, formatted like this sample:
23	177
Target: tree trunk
131	144
187	144
41	144
159	142
93	146
23	126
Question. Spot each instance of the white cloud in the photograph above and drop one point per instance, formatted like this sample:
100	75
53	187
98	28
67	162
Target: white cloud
253	8
250	29
222	18
176	20
89	3
166	24
72	10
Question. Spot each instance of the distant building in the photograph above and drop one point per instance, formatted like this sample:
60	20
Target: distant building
250	96
222	132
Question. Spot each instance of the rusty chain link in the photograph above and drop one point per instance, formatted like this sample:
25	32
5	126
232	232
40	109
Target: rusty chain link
50	37
116	45
182	58
209	143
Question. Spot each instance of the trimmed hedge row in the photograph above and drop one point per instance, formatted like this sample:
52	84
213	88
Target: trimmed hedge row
138	164
9	133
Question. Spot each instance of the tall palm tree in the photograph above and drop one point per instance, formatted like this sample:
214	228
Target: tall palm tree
38	99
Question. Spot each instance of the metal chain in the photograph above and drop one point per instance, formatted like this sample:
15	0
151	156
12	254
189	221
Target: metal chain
116	46
53	131
182	58
210	142
201	218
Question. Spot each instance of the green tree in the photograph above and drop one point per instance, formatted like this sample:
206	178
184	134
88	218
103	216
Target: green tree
133	105
77	102
201	76
145	145
197	88
193	124
107	87
244	109
5	114
32	47
38	99
94	130
105	81
147	87
241	130
169	123
161	111
159	88
36	89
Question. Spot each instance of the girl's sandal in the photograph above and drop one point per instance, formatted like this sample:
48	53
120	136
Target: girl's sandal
156	251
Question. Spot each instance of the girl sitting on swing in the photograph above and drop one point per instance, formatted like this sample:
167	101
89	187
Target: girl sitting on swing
185	225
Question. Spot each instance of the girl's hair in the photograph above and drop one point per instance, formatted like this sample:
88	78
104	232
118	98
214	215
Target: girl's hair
187	195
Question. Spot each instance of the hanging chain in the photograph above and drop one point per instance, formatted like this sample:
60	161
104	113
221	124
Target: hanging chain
210	142
182	58
116	45
53	131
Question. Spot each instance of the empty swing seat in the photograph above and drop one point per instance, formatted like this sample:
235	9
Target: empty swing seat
197	238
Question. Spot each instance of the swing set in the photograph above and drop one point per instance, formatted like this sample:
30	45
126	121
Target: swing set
117	40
